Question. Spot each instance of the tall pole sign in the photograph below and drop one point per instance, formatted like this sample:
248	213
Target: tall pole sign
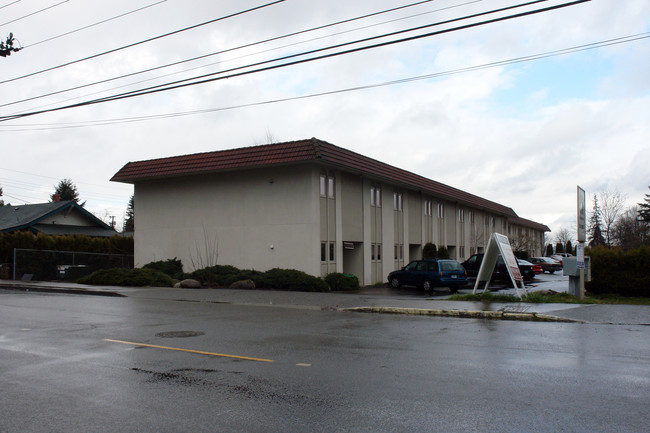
582	238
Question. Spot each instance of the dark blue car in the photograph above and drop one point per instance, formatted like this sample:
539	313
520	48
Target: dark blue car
429	273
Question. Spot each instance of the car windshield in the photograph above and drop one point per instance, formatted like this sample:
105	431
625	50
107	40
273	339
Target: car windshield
450	265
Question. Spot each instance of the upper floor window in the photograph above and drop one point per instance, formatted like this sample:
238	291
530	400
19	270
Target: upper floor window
330	186
427	207
323	185
375	196
471	217
441	210
461	215
397	201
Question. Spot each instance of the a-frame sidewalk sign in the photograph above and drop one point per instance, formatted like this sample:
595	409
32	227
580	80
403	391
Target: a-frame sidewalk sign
499	244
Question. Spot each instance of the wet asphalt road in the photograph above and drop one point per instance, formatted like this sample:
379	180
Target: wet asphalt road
79	364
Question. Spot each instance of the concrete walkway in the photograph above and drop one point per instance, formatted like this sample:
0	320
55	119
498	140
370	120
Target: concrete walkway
371	299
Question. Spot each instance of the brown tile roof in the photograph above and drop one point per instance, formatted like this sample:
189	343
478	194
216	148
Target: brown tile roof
302	151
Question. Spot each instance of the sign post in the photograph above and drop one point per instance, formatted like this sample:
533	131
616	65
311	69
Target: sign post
582	238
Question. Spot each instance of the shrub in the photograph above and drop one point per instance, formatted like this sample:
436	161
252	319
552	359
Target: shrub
218	275
620	272
172	267
291	279
138	277
429	251
342	282
443	252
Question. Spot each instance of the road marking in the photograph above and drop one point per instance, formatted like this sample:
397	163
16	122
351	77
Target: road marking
302	364
200	352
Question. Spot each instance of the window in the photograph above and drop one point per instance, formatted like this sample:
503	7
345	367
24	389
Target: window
372	252
461	215
375	196
375	252
461	251
332	252
427	207
441	210
323	251
322	185
330	186
471	217
379	252
397	201
396	251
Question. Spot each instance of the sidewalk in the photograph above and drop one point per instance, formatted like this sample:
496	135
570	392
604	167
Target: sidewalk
372	299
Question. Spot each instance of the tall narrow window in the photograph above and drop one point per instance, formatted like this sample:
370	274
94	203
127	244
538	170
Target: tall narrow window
323	186
372	196
441	210
379	252
323	252
330	186
332	258
378	198
461	215
372	252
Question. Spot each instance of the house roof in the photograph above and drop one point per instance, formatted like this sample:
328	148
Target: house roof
13	218
302	151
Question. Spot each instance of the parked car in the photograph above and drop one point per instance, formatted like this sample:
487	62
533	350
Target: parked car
560	256
525	266
430	273
473	264
547	264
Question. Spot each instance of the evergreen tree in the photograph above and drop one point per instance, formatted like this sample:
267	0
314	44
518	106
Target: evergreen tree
595	235
66	190
559	248
2	203
129	222
549	250
644	209
568	248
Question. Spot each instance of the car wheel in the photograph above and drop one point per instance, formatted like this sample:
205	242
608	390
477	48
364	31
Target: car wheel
394	283
427	286
551	272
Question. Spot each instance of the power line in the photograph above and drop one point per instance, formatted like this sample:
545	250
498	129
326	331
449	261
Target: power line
203	80
34	13
539	56
141	42
95	24
223	51
9	4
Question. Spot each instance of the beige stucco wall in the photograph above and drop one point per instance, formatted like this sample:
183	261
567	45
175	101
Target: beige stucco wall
258	219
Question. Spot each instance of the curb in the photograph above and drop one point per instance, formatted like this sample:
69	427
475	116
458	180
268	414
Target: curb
43	289
464	314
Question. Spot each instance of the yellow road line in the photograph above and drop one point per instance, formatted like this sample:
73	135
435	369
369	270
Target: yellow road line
200	352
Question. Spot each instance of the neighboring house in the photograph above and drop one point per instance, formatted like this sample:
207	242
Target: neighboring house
306	205
56	218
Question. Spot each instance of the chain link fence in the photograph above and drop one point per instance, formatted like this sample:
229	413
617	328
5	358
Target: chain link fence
48	265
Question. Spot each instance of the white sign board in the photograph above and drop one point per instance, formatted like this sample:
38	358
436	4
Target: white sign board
580	253
499	245
582	216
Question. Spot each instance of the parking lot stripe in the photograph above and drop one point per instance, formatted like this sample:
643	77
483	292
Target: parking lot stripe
199	352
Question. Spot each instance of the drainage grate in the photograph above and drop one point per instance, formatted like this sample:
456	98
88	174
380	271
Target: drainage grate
179	334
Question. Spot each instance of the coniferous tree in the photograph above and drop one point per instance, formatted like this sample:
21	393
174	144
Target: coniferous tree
66	190
595	236
644	209
129	222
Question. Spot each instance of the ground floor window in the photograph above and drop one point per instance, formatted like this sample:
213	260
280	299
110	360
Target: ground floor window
375	252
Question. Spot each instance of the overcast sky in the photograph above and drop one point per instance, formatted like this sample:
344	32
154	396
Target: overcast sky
520	133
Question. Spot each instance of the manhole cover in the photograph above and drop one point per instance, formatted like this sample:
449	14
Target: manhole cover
179	334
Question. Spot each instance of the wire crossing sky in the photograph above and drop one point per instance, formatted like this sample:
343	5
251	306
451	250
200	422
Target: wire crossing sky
518	111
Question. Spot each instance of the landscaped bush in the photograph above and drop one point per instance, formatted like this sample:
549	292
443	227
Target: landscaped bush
625	273
286	279
291	279
138	277
172	267
342	282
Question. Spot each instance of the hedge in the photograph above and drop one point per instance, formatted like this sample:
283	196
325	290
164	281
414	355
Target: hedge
138	277
626	273
285	279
